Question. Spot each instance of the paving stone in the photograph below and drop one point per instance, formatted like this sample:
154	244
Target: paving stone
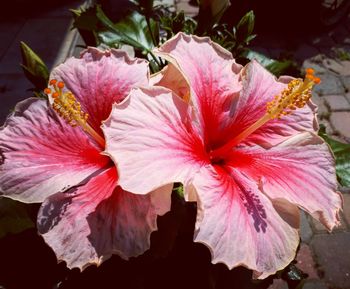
344	190
62	10
305	261
267	42
305	228
13	88
330	84
323	40
261	50
340	122
278	284
341	67
337	102
275	53
322	109
164	2
347	22
346	209
346	82
340	35
333	257
270	41
340	138
79	46
44	36
72	45
305	51
8	31
187	8
319	228
316	63
314	284
326	50
326	123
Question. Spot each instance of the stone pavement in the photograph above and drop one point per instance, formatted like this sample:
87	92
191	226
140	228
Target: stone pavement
329	253
324	256
46	31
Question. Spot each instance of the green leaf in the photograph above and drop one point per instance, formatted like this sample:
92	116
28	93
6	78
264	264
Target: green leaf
342	157
86	21
294	277
245	27
85	18
210	12
261	58
179	189
14	217
279	67
276	67
132	30
146	6
33	67
177	22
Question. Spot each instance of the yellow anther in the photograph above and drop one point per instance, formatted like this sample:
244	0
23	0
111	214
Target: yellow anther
47	90
309	71
67	107
296	95
317	80
53	82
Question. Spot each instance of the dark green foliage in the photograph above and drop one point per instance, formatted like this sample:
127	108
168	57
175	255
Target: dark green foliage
14	217
146	27
34	69
342	157
86	22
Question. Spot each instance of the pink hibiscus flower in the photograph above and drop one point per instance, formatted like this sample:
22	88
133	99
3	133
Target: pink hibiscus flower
59	160
242	143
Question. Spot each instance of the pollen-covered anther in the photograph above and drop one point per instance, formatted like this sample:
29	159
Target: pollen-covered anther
296	95
67	107
65	104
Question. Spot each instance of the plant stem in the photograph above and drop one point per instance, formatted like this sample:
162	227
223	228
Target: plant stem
158	60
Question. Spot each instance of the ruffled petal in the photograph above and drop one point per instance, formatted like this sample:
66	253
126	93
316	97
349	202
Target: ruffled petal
240	225
151	139
260	87
42	154
213	76
300	170
87	224
100	78
170	77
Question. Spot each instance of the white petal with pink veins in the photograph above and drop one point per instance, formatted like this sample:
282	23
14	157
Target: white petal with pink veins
87	224
240	225
300	170
259	88
42	154
100	78
151	139
213	76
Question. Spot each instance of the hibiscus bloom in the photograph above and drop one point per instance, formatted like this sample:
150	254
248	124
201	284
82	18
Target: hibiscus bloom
54	154
243	144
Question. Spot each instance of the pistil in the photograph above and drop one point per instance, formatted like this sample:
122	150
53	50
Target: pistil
296	95
67	107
